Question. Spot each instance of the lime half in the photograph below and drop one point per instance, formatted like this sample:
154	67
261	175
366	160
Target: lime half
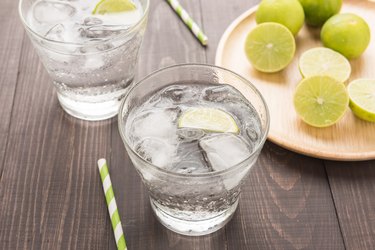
270	47
321	101
113	6
208	119
324	61
362	98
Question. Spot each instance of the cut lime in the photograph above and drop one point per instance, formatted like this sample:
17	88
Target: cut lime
321	101
208	119
362	98
270	47
323	61
113	6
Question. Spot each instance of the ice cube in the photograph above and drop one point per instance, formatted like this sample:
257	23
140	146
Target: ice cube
53	12
156	151
252	134
101	31
158	123
56	33
190	134
223	151
91	21
221	93
175	94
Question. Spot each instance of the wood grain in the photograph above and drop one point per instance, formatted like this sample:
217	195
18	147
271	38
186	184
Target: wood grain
12	35
286	204
353	189
51	192
350	139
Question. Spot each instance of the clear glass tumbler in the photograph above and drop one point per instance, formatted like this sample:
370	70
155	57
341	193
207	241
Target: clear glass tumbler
192	204
91	63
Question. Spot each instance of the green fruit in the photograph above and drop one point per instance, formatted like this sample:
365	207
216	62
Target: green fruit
318	11
321	101
286	12
324	61
208	119
270	47
362	98
347	33
113	6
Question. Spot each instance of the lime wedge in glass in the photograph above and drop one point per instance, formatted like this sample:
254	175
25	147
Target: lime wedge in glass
113	6
208	119
324	61
321	101
362	98
270	47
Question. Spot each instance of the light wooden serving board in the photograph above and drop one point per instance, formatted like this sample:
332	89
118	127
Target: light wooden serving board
349	140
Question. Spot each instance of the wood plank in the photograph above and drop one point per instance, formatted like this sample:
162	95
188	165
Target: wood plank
51	192
286	203
11	34
167	42
353	188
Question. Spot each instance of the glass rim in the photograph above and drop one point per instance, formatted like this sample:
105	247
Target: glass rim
122	34
233	168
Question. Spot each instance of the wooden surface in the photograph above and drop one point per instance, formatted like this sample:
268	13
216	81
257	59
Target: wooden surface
50	191
351	138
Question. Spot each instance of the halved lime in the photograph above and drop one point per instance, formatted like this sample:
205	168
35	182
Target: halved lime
324	61
270	47
362	98
208	119
113	6
321	101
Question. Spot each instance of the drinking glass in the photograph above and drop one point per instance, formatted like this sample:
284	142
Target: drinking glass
192	204
90	76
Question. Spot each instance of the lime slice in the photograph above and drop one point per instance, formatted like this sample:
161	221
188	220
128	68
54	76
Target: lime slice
270	47
323	61
113	6
208	119
321	101
362	98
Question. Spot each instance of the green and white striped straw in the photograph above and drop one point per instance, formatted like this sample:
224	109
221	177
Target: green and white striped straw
193	26
112	205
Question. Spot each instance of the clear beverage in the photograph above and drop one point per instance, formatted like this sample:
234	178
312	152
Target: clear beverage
193	176
90	58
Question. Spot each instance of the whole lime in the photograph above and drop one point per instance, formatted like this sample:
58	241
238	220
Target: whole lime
346	33
318	11
286	12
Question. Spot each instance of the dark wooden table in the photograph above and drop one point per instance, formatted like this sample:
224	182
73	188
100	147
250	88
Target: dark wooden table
50	192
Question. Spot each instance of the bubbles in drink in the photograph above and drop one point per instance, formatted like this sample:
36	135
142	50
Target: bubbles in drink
193	151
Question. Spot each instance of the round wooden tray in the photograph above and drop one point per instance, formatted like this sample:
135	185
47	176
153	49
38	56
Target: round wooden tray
349	140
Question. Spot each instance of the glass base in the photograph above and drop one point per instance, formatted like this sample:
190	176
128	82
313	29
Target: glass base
196	227
90	111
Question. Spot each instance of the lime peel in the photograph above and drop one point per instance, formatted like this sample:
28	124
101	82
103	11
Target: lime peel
362	98
208	119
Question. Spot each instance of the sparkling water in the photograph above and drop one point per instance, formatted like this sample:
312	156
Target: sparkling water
153	133
91	58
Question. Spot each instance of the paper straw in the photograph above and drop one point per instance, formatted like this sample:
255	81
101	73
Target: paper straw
112	205
193	26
